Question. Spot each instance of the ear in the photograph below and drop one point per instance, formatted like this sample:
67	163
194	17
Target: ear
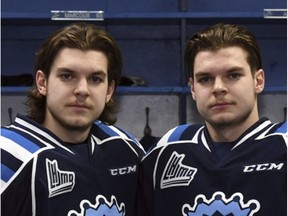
41	82
259	81
110	90
191	82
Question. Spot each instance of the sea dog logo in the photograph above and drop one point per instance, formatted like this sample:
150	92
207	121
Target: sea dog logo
219	205
176	173
59	181
102	207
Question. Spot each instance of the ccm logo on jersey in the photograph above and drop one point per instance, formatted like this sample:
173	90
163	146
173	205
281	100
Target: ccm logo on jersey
123	170
262	167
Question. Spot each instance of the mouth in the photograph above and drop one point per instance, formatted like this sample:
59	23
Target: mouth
78	107
222	105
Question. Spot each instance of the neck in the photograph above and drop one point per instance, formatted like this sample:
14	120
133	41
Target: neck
229	132
68	134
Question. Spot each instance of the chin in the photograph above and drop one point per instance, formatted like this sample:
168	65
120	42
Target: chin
79	125
222	121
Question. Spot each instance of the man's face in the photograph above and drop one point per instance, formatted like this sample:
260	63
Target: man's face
76	90
224	88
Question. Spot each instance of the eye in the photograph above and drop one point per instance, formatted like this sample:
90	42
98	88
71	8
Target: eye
66	76
204	79
234	76
96	79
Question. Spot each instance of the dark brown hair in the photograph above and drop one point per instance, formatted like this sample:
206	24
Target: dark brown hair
81	36
220	36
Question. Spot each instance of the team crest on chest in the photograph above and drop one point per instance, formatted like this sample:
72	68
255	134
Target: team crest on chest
176	173
102	207
59	181
221	206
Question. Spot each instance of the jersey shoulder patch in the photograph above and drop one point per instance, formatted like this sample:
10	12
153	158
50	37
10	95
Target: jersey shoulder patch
17	149
282	128
104	131
183	132
107	131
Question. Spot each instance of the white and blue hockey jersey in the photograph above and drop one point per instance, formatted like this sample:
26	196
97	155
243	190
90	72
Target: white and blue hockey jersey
41	175
186	174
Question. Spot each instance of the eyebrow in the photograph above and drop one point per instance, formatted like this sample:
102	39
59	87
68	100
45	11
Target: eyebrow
233	69
69	70
61	69
200	74
230	70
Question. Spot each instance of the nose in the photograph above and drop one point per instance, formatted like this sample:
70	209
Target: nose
82	88
219	87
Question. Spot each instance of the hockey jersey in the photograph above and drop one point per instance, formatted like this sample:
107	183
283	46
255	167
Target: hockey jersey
184	176
41	176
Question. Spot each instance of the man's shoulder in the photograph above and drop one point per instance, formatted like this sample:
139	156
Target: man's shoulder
105	132
19	146
28	140
181	134
281	127
267	129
